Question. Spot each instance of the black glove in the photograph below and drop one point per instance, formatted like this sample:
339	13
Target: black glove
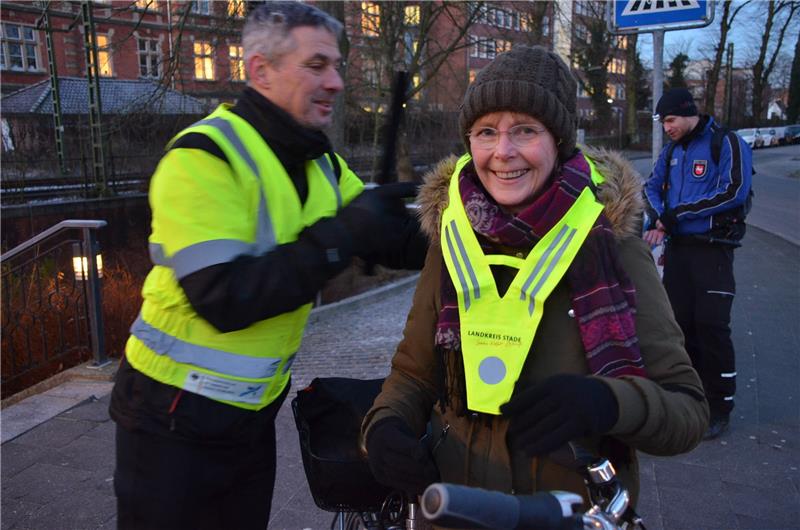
373	220
564	407
669	220
398	459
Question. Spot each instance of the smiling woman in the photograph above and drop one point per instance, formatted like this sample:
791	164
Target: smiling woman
539	318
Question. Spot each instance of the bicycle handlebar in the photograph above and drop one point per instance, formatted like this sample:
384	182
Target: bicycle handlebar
457	506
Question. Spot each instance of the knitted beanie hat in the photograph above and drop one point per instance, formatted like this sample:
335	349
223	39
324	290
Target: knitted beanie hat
530	80
676	102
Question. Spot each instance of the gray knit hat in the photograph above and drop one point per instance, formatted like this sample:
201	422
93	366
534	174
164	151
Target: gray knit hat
530	80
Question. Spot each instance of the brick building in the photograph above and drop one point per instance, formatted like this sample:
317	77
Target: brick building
193	47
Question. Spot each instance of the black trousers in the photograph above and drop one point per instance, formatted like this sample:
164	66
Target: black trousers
168	482
698	278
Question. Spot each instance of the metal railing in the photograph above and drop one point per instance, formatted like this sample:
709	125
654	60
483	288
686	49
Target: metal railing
51	304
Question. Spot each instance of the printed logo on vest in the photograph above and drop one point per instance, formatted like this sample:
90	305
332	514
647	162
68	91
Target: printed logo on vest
699	168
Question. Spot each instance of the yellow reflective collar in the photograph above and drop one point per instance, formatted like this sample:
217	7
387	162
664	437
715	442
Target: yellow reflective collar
497	332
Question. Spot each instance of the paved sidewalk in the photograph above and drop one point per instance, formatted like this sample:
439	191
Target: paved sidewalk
58	475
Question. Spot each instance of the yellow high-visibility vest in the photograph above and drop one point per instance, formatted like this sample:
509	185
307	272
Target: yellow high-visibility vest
497	332
257	208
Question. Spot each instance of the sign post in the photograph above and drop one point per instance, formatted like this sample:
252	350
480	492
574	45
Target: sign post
657	16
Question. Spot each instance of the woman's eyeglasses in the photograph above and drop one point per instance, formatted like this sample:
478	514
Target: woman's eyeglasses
521	135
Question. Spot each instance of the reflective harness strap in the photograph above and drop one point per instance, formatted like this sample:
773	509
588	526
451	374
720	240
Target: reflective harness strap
497	332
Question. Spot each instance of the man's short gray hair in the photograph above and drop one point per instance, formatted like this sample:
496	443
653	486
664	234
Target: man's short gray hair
266	31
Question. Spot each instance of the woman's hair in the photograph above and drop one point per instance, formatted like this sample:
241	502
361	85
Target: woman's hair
266	31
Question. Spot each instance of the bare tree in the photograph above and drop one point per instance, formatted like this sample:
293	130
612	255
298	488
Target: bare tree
793	110
415	38
725	24
770	46
631	84
594	50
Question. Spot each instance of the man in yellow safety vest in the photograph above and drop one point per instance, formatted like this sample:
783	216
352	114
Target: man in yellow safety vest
252	213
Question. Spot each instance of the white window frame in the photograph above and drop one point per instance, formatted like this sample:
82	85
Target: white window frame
201	7
28	48
151	56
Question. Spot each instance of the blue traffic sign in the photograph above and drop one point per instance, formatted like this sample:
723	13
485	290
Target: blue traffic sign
632	16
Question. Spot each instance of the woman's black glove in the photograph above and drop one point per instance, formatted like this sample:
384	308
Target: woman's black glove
564	407
398	459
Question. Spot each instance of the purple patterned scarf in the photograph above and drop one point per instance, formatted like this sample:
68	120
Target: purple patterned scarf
603	297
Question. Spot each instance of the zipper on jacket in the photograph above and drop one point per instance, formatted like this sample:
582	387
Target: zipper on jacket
441	439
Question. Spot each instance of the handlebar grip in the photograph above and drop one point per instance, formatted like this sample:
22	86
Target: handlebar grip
457	506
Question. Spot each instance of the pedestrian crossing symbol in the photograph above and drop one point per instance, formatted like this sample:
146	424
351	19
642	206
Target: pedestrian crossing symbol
642	7
634	16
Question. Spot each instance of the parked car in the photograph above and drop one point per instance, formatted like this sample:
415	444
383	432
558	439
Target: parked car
780	133
769	137
791	134
752	137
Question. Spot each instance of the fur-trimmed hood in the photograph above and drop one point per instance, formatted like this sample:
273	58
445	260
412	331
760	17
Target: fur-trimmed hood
621	193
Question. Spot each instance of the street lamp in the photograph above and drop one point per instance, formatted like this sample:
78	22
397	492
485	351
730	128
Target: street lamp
80	263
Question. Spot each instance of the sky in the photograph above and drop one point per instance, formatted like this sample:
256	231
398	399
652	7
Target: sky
698	43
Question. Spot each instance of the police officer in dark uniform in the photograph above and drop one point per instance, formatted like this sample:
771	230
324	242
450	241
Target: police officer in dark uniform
699	193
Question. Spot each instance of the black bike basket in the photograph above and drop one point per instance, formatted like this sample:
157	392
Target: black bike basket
328	415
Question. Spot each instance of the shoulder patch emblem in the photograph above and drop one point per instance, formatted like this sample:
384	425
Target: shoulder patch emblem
699	168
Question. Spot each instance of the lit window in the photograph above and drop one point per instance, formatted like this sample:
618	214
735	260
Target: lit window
622	42
502	45
473	74
202	7
104	66
147	4
237	8
236	56
611	90
19	48
415	82
370	18
203	60
411	15
149	58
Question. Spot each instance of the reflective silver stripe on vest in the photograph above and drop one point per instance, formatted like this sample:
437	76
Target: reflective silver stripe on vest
325	165
549	270
200	255
219	361
541	262
265	234
457	265
467	263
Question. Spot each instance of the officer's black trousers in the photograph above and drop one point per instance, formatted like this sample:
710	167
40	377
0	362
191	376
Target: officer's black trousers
164	482
699	280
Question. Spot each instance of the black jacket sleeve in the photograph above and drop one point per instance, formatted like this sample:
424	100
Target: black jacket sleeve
231	296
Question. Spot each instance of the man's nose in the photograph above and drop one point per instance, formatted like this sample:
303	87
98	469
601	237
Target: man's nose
333	81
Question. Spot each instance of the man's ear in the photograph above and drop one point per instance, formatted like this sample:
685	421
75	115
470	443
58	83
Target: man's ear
259	71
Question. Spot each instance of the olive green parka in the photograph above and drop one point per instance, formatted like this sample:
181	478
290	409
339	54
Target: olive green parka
665	413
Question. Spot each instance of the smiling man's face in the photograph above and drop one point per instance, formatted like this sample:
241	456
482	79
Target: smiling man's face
305	81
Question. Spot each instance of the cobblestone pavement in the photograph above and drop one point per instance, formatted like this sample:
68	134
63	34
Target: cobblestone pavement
58	475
